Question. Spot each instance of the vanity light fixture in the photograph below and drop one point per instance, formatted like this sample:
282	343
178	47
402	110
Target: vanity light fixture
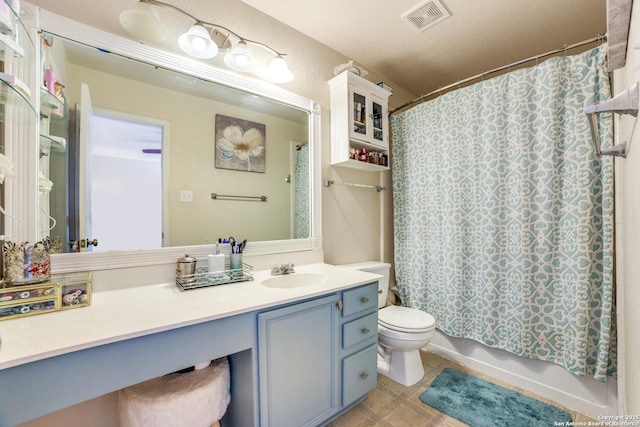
143	22
197	42
278	71
240	58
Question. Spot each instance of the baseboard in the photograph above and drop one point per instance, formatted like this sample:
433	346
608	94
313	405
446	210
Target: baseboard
582	394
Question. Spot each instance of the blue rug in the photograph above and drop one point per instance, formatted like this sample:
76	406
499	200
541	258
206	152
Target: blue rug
480	403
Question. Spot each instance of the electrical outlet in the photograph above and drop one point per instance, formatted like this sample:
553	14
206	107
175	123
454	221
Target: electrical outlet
186	196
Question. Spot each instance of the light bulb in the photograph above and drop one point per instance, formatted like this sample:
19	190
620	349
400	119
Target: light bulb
240	58
197	42
278	71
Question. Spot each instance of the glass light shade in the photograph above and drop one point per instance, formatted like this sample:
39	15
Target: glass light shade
278	71
240	58
197	42
142	22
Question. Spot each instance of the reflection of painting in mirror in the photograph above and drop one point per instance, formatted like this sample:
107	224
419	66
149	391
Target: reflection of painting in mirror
186	104
240	144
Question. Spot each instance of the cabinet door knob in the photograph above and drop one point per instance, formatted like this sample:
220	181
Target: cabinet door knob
364	299
380	291
339	304
365	331
364	375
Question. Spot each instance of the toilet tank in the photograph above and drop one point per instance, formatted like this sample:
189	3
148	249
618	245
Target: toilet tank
381	268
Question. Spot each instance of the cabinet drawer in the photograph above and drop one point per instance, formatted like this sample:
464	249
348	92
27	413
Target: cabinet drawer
25	294
359	374
360	299
359	330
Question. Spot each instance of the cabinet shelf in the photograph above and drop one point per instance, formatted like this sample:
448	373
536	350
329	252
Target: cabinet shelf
16	45
56	144
14	94
363	166
52	106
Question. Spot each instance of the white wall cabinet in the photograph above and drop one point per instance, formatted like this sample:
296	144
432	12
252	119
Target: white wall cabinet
359	120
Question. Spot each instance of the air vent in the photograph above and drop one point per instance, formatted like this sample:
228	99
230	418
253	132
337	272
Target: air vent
426	15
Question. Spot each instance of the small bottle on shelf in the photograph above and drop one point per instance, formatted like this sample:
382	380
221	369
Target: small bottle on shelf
363	155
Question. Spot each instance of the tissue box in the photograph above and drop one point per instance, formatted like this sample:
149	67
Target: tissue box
385	86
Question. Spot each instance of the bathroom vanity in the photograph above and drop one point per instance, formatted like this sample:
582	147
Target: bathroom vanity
300	354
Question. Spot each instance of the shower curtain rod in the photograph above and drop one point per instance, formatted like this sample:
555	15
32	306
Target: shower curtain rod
598	38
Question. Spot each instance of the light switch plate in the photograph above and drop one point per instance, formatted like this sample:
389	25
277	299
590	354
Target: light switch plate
186	196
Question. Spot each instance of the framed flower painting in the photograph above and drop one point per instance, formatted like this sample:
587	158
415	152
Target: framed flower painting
239	144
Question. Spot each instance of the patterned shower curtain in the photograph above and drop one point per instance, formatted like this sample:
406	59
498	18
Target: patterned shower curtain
503	214
301	225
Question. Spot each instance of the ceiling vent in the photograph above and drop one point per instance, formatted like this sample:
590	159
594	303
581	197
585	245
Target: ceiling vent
426	15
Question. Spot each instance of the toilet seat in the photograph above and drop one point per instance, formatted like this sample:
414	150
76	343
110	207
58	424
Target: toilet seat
405	319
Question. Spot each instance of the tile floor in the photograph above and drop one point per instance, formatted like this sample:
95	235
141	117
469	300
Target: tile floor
393	405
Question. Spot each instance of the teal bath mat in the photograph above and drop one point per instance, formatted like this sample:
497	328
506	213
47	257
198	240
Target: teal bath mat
480	403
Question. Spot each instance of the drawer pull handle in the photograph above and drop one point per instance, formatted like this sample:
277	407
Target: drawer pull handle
364	375
365	331
364	299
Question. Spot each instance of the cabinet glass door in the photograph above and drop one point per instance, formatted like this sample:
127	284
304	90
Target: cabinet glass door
378	114
359	113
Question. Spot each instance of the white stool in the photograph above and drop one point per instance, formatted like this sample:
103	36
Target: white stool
194	399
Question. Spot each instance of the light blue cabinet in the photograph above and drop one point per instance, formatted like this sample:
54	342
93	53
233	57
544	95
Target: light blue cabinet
359	350
317	358
298	363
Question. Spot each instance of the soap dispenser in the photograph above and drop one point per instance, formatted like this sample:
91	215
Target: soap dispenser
215	261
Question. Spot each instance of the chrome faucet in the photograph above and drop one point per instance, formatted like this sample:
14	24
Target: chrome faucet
283	269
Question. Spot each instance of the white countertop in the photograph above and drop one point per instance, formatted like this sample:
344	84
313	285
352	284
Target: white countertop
134	312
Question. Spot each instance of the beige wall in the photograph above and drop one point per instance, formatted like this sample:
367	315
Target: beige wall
628	215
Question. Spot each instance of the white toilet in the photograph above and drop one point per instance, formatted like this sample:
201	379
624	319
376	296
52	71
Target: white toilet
402	331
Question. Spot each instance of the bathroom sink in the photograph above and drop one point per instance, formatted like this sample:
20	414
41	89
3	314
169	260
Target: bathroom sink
296	280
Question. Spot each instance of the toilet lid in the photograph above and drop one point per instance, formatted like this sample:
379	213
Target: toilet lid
405	319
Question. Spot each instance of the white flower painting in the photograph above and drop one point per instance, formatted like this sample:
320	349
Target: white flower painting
239	144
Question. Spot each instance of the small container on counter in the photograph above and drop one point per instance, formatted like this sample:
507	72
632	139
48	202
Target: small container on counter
186	269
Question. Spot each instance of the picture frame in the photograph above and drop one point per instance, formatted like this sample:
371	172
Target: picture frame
239	144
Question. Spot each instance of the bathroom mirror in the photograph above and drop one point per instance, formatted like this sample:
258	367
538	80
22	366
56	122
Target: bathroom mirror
184	121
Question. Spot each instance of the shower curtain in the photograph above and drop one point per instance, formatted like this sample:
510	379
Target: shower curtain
503	213
301	203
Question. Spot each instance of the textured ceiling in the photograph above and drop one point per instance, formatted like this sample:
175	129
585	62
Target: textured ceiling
479	36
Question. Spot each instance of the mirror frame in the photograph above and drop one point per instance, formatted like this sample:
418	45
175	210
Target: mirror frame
74	30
